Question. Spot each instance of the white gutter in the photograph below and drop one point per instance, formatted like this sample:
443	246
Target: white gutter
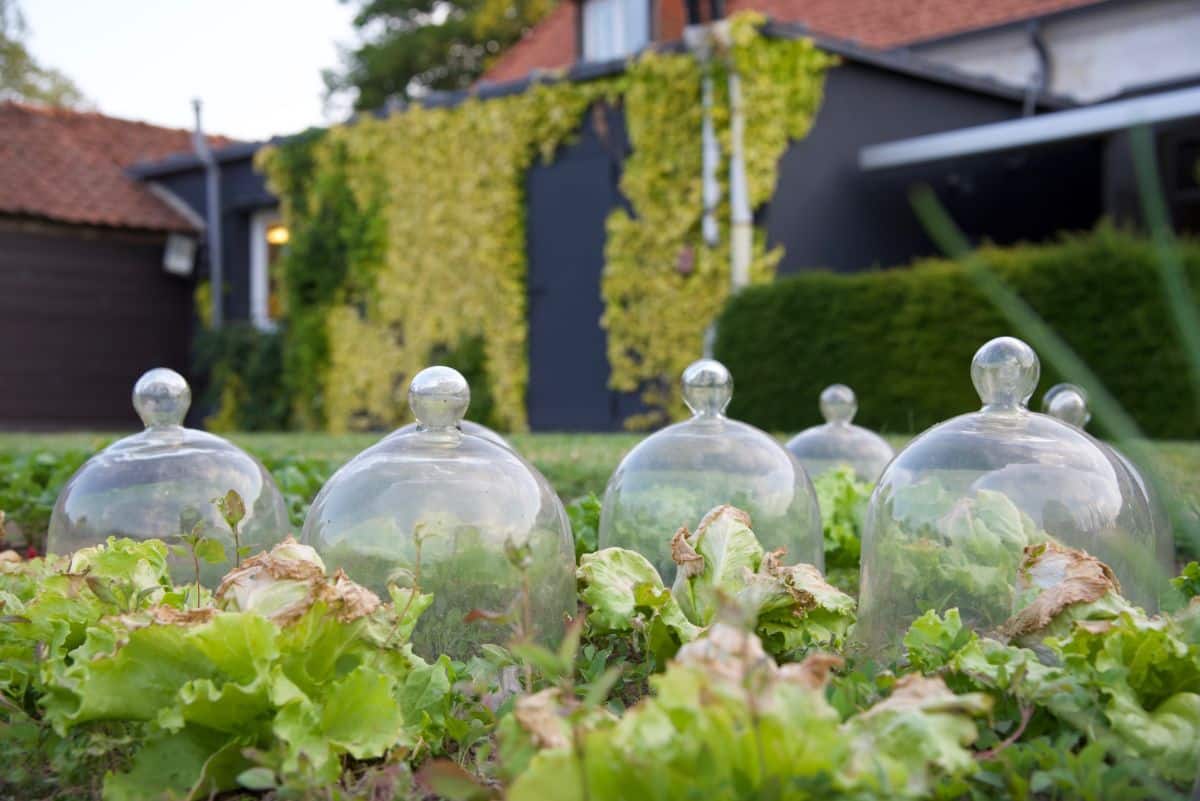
1054	127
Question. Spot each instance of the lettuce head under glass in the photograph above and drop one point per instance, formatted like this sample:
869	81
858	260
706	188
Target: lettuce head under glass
838	442
676	475
455	516
164	483
949	520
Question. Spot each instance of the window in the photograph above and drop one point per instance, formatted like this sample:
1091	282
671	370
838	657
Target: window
268	235
614	28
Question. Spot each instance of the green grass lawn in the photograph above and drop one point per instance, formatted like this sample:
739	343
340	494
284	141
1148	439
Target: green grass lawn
575	463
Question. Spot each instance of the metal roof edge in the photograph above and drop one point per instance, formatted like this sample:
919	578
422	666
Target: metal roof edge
913	65
1077	123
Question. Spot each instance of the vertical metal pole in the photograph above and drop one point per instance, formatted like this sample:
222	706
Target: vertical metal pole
711	163
212	200
741	237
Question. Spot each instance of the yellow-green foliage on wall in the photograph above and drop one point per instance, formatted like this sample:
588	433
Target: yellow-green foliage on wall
448	183
662	284
426	209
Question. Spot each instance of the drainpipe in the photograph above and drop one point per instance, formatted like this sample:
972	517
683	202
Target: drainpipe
696	37
212	199
1041	79
741	235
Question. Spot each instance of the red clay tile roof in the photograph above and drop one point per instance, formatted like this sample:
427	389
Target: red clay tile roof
551	44
69	166
885	24
880	24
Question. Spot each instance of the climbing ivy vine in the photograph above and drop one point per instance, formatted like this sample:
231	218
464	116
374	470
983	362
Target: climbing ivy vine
443	257
663	285
408	232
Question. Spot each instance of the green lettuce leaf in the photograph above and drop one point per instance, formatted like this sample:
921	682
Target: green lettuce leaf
714	563
843	502
795	609
624	593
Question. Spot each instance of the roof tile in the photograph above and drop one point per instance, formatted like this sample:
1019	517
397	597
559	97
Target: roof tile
69	166
881	24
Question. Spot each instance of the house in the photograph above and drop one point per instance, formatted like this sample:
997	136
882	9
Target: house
994	104
1053	54
95	266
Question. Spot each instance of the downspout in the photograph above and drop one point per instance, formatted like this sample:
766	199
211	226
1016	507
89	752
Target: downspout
1041	79
697	38
741	217
698	42
212	201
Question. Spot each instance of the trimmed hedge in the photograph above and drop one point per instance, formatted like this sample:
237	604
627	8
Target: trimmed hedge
904	338
242	372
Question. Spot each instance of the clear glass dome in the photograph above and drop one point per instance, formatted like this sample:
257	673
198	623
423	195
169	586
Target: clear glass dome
1069	403
467	427
675	476
456	515
164	482
838	441
951	514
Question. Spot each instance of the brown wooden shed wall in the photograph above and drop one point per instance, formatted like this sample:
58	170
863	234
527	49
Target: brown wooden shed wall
83	312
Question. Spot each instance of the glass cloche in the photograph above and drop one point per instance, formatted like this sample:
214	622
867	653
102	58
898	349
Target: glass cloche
838	441
675	476
456	515
164	482
951	514
1069	403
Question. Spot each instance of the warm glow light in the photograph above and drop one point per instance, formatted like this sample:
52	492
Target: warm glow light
278	234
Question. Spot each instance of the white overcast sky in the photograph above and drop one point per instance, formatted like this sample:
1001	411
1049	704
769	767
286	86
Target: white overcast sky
256	63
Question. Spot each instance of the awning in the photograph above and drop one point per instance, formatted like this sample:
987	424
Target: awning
1053	127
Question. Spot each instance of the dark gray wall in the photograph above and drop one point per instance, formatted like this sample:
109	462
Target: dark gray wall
1177	146
827	213
567	203
84	312
243	192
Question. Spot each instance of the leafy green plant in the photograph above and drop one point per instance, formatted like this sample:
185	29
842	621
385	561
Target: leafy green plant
233	512
290	683
193	544
584	514
843	501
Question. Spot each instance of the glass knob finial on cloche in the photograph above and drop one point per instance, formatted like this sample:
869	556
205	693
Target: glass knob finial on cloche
838	404
163	482
439	397
162	397
707	387
1005	373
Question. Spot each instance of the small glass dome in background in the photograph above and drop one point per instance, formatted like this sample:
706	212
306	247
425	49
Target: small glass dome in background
1069	403
838	441
952	513
458	516
676	475
467	427
164	482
